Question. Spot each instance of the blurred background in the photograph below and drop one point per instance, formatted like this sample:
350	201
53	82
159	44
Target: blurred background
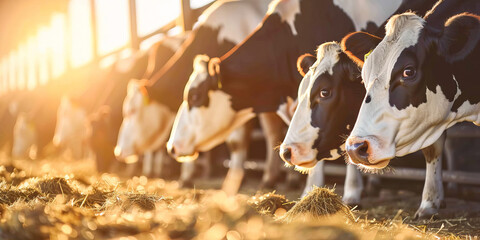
55	40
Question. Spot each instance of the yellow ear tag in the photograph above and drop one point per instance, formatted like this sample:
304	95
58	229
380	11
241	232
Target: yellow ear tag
146	99
219	84
366	55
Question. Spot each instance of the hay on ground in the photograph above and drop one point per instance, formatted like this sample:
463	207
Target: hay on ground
269	203
318	204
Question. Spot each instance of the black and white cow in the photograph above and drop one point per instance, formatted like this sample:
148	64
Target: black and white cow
260	74
329	100
420	80
150	106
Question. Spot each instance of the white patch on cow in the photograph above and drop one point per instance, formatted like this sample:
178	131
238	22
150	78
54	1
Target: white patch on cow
233	18
287	9
352	191
202	128
24	137
432	195
363	11
200	72
301	134
286	110
145	125
392	132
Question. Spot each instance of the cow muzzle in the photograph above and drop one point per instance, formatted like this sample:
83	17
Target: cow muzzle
175	151
361	151
298	155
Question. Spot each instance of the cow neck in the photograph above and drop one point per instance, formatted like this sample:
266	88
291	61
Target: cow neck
261	71
166	86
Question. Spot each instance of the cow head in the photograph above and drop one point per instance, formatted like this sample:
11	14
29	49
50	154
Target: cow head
24	137
72	126
205	117
145	125
412	94
329	97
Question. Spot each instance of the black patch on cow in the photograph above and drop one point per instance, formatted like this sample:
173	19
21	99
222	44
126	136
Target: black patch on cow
466	73
198	96
333	113
368	99
167	85
261	72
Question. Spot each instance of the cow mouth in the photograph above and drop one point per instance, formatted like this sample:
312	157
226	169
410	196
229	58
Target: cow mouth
377	165
305	167
187	158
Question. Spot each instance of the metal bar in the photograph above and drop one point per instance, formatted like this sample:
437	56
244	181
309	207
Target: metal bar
134	40
186	15
398	173
94	31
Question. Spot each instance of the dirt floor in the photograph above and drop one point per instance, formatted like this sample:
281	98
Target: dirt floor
58	199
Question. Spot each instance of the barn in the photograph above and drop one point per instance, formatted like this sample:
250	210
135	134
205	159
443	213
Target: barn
239	119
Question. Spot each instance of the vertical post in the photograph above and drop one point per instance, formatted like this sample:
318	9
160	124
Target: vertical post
186	15
94	32
134	40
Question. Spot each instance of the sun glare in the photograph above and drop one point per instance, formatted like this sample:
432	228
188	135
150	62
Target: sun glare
81	38
113	23
67	40
153	14
12	69
57	44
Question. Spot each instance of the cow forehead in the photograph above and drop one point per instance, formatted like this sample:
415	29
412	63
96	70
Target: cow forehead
327	57
402	31
200	72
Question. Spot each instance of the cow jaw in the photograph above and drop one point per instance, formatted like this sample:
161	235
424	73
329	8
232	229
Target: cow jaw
145	130
202	128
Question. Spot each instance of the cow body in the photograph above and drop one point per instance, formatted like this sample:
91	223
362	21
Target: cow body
420	80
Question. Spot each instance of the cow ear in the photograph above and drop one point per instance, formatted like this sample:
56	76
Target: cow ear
214	72
358	45
304	63
460	36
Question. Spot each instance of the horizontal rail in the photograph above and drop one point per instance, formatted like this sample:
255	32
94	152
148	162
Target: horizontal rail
398	173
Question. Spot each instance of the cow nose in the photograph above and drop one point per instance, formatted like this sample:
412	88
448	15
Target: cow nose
171	150
358	152
286	154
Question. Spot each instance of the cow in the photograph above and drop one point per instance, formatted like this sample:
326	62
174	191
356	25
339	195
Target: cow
8	114
35	123
329	100
420	80
94	112
259	75
150	105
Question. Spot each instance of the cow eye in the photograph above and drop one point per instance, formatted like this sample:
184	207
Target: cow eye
194	97
324	93
409	72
